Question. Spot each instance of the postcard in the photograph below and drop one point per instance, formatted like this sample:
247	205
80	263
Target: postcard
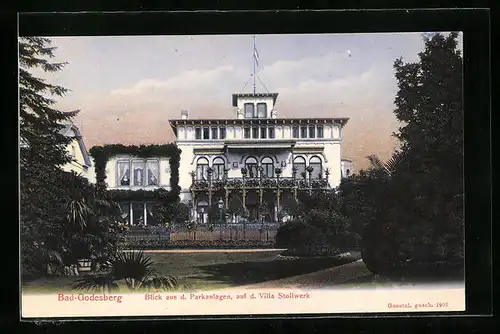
189	175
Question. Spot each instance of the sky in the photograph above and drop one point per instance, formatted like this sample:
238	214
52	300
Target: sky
128	87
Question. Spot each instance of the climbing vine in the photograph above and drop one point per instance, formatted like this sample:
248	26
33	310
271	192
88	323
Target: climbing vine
102	154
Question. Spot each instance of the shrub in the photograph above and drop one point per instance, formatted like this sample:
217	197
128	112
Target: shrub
294	234
322	233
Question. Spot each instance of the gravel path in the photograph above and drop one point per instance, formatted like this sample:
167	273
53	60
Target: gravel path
318	279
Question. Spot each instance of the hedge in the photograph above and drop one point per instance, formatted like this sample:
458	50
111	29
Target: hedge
156	243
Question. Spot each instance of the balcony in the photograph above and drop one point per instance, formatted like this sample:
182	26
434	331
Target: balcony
259	183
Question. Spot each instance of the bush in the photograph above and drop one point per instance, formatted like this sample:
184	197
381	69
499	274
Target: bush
294	234
306	239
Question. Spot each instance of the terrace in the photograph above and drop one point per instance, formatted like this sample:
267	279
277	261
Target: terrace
258	183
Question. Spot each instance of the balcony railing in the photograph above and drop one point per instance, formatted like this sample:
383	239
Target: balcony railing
259	183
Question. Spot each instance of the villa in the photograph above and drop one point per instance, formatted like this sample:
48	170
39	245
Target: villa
248	166
256	159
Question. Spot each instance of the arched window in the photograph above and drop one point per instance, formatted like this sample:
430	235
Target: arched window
218	167
201	169
268	167
299	164
315	163
347	173
252	166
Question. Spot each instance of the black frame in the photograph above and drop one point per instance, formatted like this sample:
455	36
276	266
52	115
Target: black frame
476	26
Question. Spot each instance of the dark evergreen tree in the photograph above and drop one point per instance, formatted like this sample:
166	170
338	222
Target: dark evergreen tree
419	214
50	197
429	103
41	142
43	150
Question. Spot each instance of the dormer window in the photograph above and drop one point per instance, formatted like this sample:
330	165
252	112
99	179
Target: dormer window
249	110
261	110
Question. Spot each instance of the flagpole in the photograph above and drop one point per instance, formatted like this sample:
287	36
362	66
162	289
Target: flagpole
254	60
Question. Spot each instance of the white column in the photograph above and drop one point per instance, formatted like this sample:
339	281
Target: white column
145	215
131	215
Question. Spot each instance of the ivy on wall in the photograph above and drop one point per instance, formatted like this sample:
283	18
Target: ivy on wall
102	154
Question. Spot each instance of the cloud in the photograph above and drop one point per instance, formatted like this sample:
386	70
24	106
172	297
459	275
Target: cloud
188	80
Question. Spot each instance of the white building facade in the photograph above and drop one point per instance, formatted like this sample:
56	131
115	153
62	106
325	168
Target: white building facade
256	157
131	173
81	162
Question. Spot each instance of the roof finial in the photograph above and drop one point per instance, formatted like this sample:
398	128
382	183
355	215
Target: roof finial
255	63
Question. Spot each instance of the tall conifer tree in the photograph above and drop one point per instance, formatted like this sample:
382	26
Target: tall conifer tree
42	153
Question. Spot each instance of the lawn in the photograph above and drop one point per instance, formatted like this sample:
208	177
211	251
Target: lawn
212	270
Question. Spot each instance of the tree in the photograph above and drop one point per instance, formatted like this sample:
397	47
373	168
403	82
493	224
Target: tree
43	151
170	213
63	217
93	224
419	205
429	102
39	122
236	208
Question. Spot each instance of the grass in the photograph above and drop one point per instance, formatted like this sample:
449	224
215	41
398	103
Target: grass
207	271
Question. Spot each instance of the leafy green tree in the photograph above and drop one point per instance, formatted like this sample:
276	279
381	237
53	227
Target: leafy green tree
419	213
236	208
429	103
171	213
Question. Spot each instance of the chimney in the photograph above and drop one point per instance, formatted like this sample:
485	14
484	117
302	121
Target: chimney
184	114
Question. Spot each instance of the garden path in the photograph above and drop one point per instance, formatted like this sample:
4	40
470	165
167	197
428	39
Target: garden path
319	279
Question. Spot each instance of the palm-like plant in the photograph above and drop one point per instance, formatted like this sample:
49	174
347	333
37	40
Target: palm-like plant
389	167
134	268
78	212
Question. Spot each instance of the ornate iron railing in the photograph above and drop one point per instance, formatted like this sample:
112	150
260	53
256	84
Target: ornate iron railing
259	183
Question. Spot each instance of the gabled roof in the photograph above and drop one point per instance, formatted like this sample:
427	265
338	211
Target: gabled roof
66	127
